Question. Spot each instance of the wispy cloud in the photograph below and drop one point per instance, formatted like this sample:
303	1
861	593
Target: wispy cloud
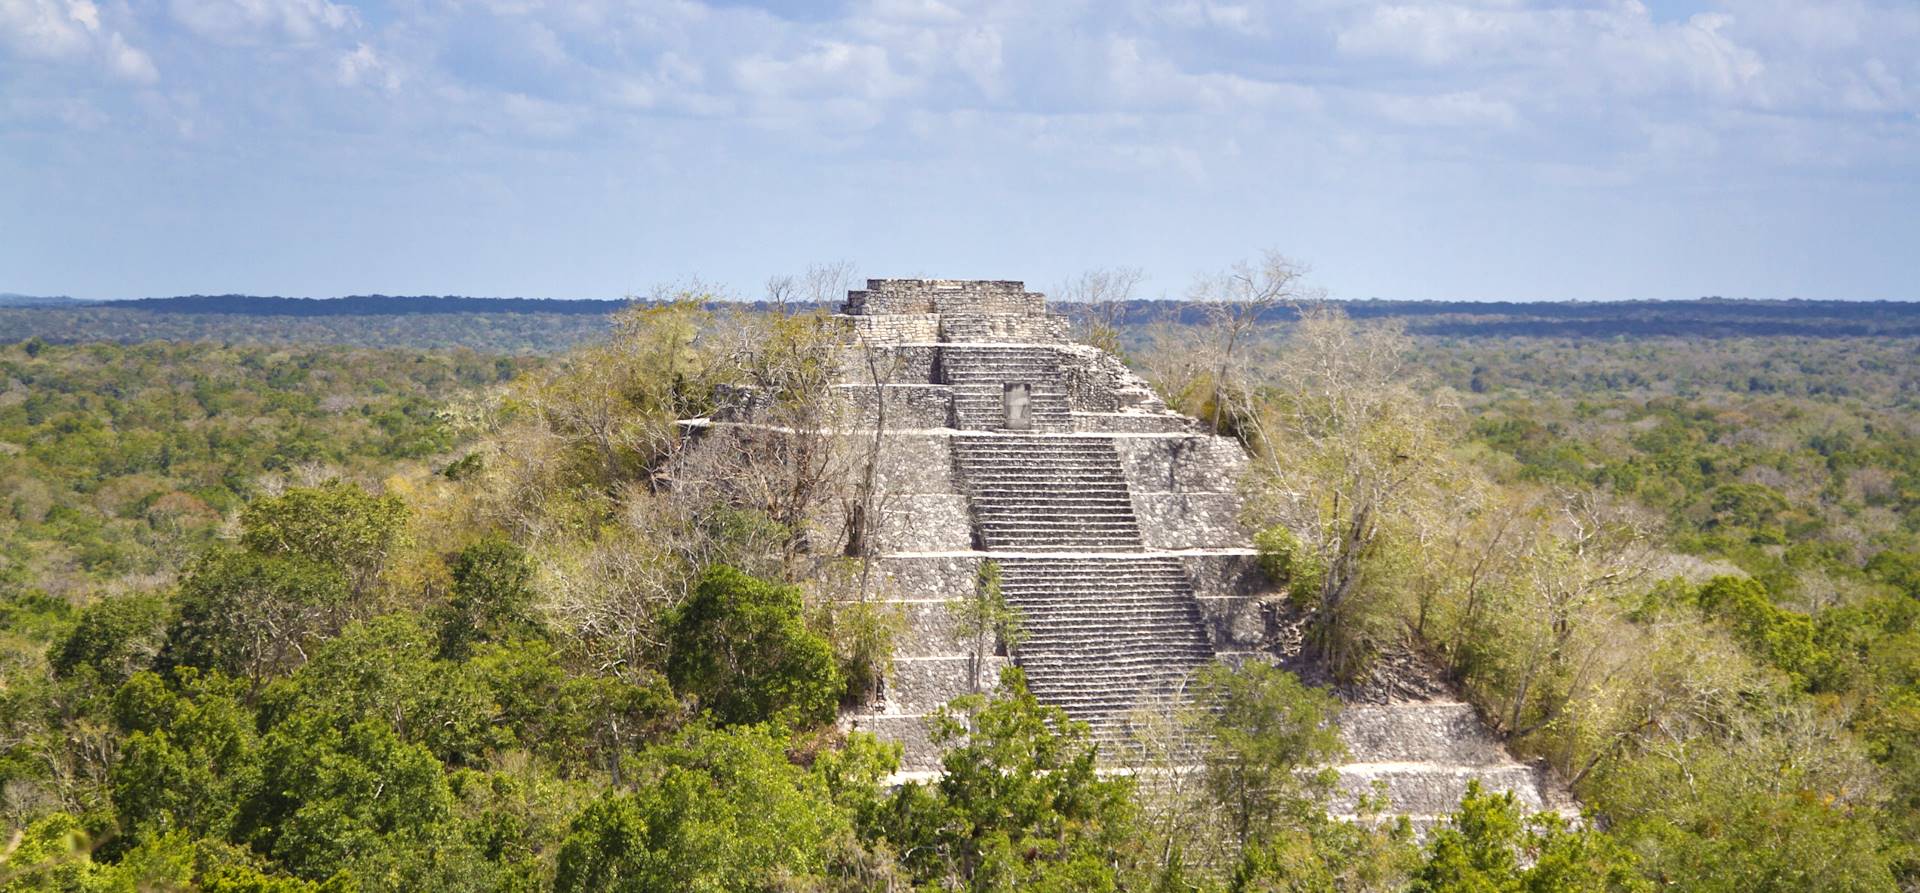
1326	95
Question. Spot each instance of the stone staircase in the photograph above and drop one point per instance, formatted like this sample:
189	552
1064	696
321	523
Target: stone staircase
1046	494
1104	635
1107	626
979	373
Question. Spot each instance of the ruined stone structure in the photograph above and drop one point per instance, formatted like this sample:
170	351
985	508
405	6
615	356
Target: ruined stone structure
1114	522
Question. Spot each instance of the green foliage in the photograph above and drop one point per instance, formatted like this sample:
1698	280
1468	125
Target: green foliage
115	638
1782	638
1018	806
330	796
576	722
254	616
492	599
1289	565
389	668
1490	847
124	460
1269	739
715	810
986	622
741	646
190	758
1721	819
336	524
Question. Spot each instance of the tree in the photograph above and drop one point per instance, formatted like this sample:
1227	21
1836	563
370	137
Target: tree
1103	295
1348	454
388	669
115	638
1488	847
741	646
335	524
329	797
1018	806
190	759
1236	301
986	622
255	616
1269	740
492	598
716	809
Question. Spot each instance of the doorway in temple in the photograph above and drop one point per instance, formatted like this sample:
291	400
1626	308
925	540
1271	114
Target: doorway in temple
1018	400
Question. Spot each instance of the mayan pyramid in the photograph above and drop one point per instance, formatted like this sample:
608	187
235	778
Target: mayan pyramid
1115	525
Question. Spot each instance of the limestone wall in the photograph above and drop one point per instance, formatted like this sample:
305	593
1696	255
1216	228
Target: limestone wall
909	406
957	296
966	327
1232	591
1186	490
897	328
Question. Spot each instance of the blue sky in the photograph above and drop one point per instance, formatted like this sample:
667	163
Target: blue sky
1465	149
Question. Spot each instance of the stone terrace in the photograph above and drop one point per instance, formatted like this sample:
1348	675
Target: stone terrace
1115	524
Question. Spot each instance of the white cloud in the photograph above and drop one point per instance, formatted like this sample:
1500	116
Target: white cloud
828	68
129	62
364	67
260	21
68	31
49	29
1462	109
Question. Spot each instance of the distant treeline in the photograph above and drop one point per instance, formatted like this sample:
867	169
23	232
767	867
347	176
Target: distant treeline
546	325
363	305
1703	318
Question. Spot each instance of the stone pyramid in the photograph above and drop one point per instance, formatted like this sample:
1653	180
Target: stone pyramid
1114	523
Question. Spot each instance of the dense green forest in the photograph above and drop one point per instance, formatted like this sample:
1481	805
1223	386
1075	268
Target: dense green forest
293	618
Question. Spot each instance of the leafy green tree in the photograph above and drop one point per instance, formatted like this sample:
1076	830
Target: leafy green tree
1746	815
1288	563
387	669
329	797
1018	806
190	758
715	810
254	616
741	646
492	597
578	722
335	524
1270	741
986	622
115	638
1326	855
1490	847
1774	635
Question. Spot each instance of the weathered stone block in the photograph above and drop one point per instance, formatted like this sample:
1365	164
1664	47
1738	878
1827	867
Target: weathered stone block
908	406
1234	623
929	629
914	522
1233	575
926	577
1129	423
1196	463
1189	521
924	685
917	750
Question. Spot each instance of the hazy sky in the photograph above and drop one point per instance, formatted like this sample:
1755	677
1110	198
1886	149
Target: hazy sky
1414	149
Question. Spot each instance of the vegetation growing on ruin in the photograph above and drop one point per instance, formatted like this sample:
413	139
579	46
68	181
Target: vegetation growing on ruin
437	621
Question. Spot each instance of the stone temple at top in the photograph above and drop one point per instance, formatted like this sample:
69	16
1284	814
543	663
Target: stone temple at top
1114	523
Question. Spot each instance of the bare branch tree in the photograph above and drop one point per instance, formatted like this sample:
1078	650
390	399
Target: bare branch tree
1102	295
1238	299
